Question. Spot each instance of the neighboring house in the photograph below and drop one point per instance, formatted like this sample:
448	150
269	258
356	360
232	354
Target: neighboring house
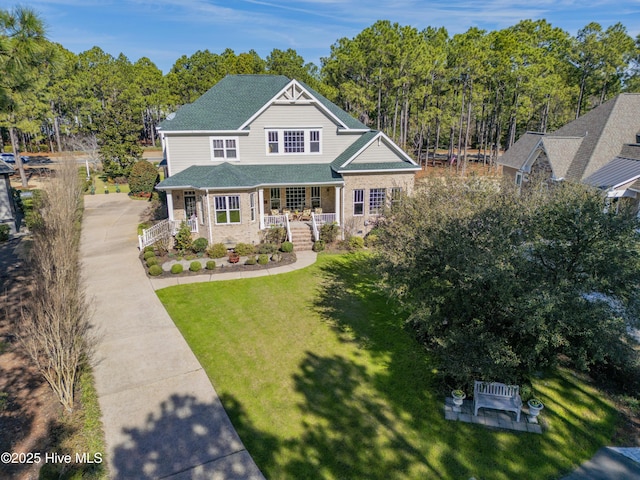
262	150
8	212
621	176
579	149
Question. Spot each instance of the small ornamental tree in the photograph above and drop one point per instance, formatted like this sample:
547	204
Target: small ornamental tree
143	178
184	241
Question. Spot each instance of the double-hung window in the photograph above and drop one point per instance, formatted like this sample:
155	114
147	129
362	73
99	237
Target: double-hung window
252	206
224	148
315	197
396	196
227	209
376	200
358	202
294	141
275	198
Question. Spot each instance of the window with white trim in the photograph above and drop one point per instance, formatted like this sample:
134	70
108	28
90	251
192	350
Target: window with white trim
227	209
315	197
294	141
396	195
275	198
224	148
296	198
377	197
358	202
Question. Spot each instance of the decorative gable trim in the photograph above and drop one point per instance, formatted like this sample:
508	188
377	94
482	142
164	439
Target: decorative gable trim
378	137
294	94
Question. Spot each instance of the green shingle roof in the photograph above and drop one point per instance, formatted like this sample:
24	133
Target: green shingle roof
228	104
226	175
235	99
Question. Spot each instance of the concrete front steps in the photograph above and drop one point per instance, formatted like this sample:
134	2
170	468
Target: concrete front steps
302	236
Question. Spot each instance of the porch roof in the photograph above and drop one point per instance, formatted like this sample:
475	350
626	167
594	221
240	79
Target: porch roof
227	176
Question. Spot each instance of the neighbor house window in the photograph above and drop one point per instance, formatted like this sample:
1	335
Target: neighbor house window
376	200
227	209
518	179
224	148
358	202
298	141
275	198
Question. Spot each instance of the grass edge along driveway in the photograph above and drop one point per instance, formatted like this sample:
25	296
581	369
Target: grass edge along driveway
321	381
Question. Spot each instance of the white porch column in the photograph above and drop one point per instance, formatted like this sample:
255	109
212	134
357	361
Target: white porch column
170	204
261	207
338	204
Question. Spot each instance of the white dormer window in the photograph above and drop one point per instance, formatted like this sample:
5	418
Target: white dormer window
224	148
286	141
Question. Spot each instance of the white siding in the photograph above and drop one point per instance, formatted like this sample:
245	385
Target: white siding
377	152
184	151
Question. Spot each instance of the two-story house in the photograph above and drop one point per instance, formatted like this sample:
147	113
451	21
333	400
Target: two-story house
262	150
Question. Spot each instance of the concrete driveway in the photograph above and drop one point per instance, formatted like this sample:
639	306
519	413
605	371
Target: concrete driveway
162	417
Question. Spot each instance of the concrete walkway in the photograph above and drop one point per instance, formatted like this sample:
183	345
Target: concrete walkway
162	417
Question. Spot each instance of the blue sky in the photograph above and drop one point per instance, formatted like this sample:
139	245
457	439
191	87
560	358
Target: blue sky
164	30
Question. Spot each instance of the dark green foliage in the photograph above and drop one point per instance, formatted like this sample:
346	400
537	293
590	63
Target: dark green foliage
217	250
195	266
183	237
251	260
155	270
4	232
267	248
318	246
143	177
286	247
498	284
177	268
149	254
263	259
329	232
244	249
200	244
211	265
152	261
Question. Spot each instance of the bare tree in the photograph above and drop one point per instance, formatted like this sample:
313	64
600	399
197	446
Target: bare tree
54	328
88	146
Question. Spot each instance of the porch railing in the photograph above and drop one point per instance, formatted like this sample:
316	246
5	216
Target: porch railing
278	221
318	219
162	229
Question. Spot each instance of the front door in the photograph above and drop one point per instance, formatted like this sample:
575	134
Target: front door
190	210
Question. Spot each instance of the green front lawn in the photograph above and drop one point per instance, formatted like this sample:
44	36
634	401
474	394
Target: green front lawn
321	381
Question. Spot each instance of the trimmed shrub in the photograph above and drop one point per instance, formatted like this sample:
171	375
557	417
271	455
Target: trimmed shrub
149	254
318	246
148	248
200	244
263	259
251	260
356	243
143	178
329	232
183	237
152	261
244	249
211	265
217	250
177	268
195	266
275	235
267	248
155	270
286	247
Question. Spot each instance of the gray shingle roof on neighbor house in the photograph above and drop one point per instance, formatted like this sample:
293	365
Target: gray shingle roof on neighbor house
235	99
226	176
583	146
520	151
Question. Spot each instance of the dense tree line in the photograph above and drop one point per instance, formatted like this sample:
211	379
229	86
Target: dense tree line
426	89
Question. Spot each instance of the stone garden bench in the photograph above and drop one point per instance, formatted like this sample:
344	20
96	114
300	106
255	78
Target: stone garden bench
497	396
